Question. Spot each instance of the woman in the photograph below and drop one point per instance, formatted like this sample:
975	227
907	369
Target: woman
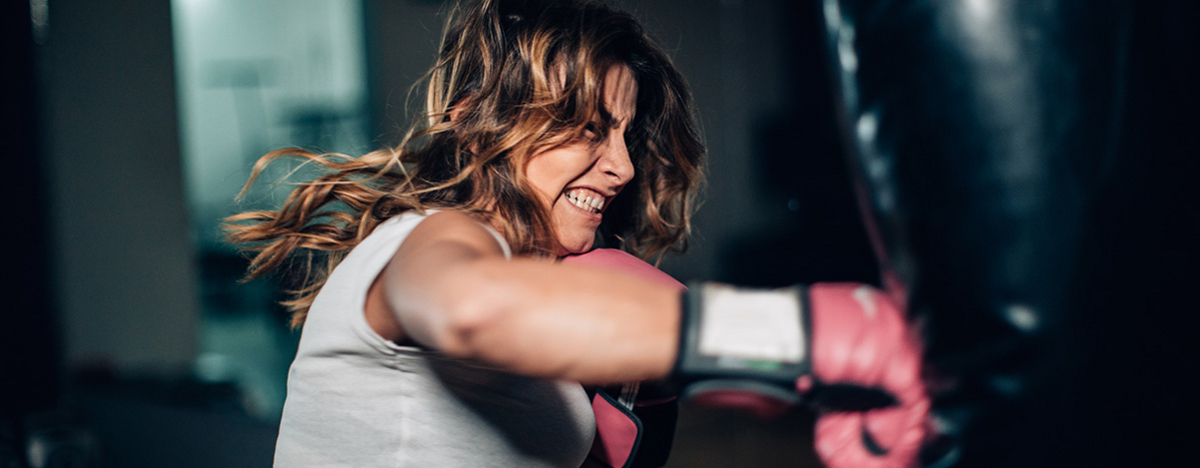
438	330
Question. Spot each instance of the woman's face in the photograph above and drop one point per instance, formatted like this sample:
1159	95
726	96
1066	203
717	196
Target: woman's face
580	178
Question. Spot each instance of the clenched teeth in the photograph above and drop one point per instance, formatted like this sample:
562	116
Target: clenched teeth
586	199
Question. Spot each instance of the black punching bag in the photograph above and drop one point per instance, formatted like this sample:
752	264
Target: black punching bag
983	134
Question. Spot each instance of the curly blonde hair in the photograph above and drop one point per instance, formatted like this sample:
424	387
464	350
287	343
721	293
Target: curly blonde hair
517	76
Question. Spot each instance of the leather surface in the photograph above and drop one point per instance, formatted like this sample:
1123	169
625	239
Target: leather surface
982	133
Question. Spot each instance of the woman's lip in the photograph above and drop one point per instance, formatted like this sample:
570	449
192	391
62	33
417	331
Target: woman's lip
590	189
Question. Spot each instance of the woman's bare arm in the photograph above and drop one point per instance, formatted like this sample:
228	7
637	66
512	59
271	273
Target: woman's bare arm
450	287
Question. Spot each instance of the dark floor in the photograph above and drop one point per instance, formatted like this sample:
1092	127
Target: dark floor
146	429
712	438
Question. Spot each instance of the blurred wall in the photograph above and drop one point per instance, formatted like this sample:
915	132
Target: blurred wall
256	76
122	257
729	52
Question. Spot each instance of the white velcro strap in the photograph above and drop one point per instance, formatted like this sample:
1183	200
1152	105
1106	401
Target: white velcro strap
752	324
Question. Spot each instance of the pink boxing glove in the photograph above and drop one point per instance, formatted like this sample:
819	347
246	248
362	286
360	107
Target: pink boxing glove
625	424
860	338
619	260
845	349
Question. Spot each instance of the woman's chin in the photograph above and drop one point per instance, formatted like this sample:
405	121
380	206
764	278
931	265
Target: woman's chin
573	248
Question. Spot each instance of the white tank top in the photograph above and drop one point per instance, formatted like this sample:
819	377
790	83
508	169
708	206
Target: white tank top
357	400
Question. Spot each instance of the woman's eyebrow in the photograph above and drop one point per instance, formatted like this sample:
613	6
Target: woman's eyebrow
611	121
606	117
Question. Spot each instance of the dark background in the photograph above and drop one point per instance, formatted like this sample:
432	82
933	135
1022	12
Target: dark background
100	323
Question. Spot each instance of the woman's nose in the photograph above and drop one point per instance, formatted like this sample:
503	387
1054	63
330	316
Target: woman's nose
616	162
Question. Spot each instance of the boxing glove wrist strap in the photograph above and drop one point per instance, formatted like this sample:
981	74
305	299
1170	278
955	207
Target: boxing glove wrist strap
741	333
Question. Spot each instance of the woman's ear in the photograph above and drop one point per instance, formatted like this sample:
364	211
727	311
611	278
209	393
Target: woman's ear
459	107
456	112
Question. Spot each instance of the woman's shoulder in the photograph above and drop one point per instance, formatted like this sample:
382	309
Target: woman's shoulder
452	221
455	226
405	223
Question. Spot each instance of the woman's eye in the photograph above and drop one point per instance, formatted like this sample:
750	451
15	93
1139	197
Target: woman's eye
592	131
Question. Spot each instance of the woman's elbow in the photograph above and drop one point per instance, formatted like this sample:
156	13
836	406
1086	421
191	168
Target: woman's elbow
469	316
